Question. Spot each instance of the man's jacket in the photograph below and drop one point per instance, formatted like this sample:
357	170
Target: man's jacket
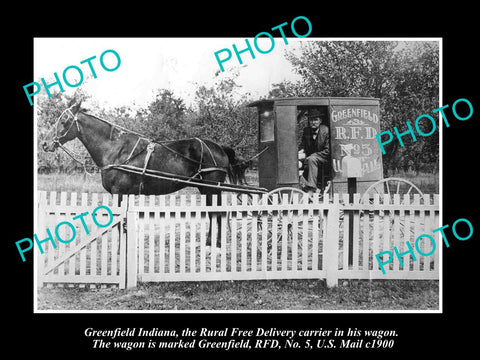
320	145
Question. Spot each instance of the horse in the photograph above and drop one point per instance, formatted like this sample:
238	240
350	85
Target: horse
115	149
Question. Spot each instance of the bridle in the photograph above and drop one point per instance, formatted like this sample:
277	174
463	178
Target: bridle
56	139
68	111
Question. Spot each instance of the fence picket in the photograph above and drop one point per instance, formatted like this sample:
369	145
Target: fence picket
366	244
376	232
83	251
436	236
429	226
47	246
151	237
131	249
407	230
346	231
396	232
94	243
182	238
244	236
63	233
387	219
254	235
223	237
162	263
265	229
274	240
173	220
113	249
71	264
293	218
203	238
417	227
306	235
356	234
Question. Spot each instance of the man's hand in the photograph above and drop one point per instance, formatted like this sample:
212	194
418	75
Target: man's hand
301	155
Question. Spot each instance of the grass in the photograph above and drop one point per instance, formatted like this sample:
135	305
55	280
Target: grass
76	182
250	295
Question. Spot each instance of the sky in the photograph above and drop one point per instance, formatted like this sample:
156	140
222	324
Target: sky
176	64
148	64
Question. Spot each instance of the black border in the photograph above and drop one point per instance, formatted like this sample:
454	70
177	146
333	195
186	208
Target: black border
60	335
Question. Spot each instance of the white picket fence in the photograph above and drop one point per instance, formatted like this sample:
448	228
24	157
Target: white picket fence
260	238
94	258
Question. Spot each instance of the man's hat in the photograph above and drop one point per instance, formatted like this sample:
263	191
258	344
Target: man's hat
315	112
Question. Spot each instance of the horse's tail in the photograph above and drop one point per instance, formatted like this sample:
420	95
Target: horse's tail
232	160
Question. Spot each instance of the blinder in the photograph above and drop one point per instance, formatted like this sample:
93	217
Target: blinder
65	115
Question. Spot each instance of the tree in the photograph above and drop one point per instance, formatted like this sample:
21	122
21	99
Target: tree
221	117
165	117
162	119
404	76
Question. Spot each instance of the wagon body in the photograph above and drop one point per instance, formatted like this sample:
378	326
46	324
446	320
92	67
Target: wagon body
353	123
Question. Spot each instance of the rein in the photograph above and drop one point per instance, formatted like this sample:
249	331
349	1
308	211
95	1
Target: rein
149	148
72	155
253	157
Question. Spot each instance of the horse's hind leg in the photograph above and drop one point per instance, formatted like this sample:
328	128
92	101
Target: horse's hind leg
213	217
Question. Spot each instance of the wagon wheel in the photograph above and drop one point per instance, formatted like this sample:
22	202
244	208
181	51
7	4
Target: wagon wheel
391	186
276	229
284	225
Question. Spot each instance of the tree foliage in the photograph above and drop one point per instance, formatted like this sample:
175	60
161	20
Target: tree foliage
221	117
404	76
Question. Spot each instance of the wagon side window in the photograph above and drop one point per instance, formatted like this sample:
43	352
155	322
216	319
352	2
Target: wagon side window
266	125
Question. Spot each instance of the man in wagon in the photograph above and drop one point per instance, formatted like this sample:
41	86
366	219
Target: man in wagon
315	147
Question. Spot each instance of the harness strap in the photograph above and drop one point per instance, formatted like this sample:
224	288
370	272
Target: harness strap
202	143
209	151
201	159
150	149
133	150
210	169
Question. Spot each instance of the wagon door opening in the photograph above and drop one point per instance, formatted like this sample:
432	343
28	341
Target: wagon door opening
306	139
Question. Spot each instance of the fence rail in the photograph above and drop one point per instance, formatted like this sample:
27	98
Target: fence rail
166	238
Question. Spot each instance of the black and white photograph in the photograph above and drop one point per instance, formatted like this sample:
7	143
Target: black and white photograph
220	185
299	181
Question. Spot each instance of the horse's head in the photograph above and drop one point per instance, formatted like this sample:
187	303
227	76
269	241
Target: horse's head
64	129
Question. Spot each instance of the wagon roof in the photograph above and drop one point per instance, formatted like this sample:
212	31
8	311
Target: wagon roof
316	101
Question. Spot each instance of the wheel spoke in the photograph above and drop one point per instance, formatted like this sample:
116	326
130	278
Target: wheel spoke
410	189
389	185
